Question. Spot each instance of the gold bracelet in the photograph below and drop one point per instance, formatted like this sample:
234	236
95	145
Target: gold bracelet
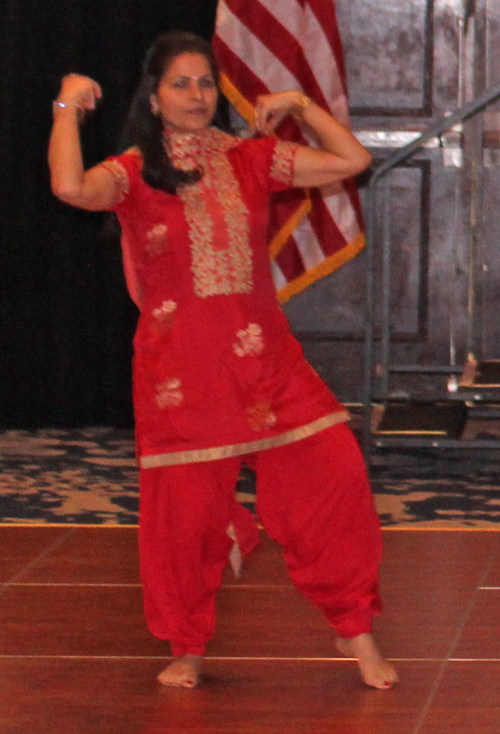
303	103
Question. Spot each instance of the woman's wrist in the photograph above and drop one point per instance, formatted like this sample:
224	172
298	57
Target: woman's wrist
302	103
63	103
61	106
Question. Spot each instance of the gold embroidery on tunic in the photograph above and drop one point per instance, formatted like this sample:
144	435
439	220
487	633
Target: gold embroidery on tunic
121	178
283	162
157	240
217	270
184	148
251	341
164	316
169	393
261	416
239	253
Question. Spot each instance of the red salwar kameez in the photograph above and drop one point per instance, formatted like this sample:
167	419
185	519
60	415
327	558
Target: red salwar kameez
219	377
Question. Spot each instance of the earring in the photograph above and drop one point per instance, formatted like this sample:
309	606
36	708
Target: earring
155	108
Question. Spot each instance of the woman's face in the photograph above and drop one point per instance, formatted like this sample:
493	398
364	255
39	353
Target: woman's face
187	93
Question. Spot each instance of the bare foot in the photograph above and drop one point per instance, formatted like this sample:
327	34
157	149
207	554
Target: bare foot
375	671
184	672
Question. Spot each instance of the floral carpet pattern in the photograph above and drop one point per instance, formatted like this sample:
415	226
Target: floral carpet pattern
438	488
89	476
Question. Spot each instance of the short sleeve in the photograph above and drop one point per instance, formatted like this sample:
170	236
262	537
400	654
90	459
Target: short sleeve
283	165
269	161
126	170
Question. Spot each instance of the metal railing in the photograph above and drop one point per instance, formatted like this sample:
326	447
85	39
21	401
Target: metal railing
437	128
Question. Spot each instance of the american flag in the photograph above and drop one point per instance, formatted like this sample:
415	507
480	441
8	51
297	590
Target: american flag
270	46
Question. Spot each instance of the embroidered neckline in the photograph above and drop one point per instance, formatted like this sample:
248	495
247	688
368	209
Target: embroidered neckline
221	255
188	147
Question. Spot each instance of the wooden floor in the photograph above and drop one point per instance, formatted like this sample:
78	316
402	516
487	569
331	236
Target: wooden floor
76	658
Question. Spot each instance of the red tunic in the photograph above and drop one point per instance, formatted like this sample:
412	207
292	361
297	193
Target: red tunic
217	371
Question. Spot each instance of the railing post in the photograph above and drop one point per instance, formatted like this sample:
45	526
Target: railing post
436	129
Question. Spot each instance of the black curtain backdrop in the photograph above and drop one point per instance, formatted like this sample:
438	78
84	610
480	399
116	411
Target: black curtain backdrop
66	321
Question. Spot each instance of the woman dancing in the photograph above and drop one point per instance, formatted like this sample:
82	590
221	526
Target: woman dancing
217	374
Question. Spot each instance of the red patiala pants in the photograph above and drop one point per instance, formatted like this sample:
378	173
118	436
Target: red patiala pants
313	497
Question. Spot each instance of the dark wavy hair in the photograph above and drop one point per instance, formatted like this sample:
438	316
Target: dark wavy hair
144	129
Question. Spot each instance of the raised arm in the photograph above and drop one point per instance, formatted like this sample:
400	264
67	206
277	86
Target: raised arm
339	154
94	189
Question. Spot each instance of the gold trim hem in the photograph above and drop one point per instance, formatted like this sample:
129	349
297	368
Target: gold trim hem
224	452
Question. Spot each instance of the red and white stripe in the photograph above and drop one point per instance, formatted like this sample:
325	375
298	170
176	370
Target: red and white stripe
270	46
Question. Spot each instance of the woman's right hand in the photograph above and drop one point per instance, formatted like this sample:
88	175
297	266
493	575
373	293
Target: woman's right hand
95	189
79	91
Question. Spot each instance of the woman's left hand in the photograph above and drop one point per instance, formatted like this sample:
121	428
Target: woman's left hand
271	109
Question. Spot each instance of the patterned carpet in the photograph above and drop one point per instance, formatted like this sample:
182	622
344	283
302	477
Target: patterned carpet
89	476
425	488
